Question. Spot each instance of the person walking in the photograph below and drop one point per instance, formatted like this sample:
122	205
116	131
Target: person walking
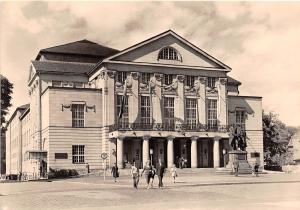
236	167
160	169
174	172
151	176
146	169
256	167
135	175
115	172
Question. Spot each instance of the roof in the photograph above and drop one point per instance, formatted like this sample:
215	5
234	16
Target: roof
82	47
222	65
62	67
21	109
232	81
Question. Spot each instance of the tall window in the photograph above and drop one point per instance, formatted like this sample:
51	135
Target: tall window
169	113
212	114
191	113
77	115
211	82
123	122
145	78
121	76
168	53
168	79
240	118
145	110
190	80
77	153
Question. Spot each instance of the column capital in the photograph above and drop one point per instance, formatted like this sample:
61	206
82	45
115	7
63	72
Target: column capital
222	80
202	79
135	75
146	137
194	138
111	73
120	137
170	138
217	138
180	77
158	77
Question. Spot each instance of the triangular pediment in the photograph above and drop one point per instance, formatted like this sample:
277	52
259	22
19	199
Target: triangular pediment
147	52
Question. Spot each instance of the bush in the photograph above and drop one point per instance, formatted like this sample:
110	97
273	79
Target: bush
61	173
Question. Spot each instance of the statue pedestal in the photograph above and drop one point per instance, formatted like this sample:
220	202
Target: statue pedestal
241	156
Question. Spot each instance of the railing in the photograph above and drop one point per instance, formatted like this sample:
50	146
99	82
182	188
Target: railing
168	127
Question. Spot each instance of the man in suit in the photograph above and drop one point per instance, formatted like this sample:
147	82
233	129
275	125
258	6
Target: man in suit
160	170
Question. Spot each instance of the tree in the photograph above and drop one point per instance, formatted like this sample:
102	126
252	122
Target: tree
6	92
276	137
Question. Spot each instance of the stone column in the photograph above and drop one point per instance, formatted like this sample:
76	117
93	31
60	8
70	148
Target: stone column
145	149
194	154
120	151
170	151
216	152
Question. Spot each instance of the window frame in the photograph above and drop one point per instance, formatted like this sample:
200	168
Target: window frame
124	121
78	120
212	113
121	76
211	82
78	154
168	79
190	80
191	113
145	108
240	119
169	112
168	53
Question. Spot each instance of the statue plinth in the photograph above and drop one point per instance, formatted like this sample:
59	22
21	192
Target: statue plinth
241	156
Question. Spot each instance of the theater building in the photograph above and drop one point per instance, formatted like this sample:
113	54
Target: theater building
176	101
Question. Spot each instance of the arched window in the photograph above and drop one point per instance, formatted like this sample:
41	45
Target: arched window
169	53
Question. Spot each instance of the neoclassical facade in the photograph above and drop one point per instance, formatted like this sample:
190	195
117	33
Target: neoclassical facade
163	98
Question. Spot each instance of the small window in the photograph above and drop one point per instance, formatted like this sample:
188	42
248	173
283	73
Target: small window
145	78
61	155
211	82
240	118
77	153
190	80
255	154
168	79
121	76
78	115
56	83
168	53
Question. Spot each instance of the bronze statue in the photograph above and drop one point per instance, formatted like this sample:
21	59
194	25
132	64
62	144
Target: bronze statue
238	138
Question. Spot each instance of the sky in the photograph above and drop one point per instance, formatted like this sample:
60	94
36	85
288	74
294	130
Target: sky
260	41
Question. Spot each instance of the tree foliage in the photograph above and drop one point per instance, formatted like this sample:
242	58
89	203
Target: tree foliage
6	92
276	137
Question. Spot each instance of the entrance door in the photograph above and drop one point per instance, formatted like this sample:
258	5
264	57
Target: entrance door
205	153
132	152
182	150
159	147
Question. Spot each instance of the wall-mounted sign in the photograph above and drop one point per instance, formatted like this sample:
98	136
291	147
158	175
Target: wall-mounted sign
61	155
104	155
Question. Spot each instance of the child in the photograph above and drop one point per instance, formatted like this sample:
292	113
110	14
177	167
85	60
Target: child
256	167
174	172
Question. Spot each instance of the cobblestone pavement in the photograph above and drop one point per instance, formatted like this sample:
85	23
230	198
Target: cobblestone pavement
191	191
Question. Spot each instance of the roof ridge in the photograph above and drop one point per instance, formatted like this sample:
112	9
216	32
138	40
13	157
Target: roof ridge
65	62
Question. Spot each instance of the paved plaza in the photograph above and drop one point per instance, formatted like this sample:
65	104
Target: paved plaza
192	191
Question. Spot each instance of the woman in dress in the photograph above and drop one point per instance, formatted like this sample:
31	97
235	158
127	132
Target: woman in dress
174	172
135	175
115	172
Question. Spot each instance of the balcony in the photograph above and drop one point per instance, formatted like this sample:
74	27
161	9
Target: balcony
168	127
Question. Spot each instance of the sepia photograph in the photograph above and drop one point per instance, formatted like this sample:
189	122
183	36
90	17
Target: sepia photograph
152	105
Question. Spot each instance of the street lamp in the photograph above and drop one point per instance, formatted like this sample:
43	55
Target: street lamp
151	153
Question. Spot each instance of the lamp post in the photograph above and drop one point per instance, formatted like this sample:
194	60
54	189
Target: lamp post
151	153
224	153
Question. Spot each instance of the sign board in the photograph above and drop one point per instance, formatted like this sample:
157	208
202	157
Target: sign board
104	155
151	151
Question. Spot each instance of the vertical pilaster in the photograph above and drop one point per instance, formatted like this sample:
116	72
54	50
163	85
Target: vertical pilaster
170	152
179	101
133	100
201	83
216	152
145	149
222	105
120	143
157	98
194	154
